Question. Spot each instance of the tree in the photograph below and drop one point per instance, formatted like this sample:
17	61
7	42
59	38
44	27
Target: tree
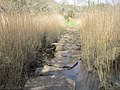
29	5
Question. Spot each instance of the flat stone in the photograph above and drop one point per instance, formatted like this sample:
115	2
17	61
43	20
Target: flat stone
51	68
70	48
52	82
67	36
59	48
62	53
57	44
75	52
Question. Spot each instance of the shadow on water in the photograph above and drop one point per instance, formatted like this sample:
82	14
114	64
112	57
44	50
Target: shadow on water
83	79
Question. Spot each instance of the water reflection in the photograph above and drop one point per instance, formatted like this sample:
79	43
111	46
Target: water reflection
83	79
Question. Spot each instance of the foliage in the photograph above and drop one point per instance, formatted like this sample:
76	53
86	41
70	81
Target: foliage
20	35
33	6
71	23
100	43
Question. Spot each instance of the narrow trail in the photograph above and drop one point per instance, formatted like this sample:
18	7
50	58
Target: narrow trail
68	53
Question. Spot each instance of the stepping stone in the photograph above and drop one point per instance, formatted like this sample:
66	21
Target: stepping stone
51	68
52	82
57	44
59	48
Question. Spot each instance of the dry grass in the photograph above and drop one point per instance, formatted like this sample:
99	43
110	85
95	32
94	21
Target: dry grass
20	34
100	29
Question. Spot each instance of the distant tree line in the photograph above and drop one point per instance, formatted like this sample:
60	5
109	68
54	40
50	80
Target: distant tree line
34	6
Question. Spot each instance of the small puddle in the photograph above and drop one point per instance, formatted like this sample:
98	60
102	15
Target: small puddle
73	74
83	80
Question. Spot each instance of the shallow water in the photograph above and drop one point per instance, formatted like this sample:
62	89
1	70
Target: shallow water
83	80
73	74
68	53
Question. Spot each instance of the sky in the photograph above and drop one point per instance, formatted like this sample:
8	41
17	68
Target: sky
83	3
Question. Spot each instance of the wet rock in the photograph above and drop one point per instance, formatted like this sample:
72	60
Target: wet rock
59	48
65	53
51	68
61	53
66	36
72	47
57	44
52	82
58	54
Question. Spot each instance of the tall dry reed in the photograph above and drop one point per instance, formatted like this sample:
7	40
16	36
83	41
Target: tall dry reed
99	33
20	34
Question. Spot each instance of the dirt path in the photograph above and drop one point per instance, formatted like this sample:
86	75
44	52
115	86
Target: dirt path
68	53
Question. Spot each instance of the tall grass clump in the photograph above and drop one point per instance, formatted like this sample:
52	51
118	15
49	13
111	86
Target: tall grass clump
99	33
20	34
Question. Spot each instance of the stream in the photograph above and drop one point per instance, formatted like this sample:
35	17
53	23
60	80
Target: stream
68	53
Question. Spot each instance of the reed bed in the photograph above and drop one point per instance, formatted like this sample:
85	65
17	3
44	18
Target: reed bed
20	34
100	43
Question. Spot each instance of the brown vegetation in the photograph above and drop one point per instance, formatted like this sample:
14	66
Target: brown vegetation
100	29
20	34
